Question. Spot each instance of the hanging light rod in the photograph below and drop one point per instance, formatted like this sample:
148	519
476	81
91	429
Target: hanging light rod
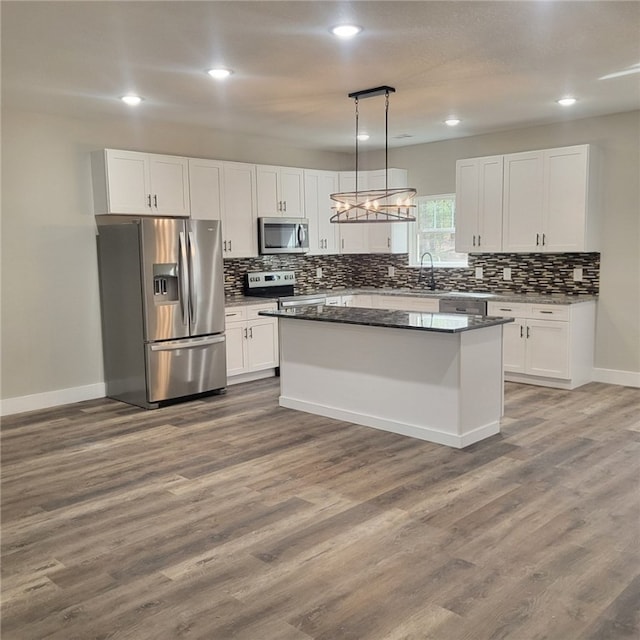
374	205
371	93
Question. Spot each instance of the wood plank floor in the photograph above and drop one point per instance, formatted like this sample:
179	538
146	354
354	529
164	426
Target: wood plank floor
231	517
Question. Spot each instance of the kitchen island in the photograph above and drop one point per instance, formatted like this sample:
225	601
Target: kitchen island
433	376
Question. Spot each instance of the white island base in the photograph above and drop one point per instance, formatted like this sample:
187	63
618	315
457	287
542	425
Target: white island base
446	388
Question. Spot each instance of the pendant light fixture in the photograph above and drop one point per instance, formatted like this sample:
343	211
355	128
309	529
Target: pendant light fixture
374	205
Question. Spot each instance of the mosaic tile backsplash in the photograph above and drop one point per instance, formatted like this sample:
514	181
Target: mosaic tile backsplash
543	273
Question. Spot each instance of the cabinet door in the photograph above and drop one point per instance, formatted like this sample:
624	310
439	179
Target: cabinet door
239	222
548	348
354	238
205	189
514	345
291	183
262	344
565	193
388	237
467	205
490	193
269	203
323	234
169	177
236	348
127	176
522	202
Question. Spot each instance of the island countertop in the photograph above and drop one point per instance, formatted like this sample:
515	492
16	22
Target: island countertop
415	320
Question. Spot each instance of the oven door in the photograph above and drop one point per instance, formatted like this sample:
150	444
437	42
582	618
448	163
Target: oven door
283	235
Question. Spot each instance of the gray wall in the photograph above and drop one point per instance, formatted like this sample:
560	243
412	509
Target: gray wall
50	318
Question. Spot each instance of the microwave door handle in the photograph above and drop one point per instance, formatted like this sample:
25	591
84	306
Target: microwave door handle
301	235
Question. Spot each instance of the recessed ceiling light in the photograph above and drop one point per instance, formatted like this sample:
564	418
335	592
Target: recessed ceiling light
363	136
346	30
566	102
451	121
131	100
219	74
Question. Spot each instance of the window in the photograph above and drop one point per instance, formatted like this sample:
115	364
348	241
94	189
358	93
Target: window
435	231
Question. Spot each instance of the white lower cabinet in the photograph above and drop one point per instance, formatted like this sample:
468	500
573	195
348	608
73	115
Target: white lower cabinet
252	343
549	345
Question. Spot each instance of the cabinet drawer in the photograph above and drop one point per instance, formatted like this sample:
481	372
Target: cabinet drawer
550	311
252	312
509	309
235	314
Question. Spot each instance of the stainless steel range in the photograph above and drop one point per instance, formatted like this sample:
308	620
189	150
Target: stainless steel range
280	285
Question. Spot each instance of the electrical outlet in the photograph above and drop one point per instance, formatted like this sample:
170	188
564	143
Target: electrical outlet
479	273
577	274
506	273
319	272
392	272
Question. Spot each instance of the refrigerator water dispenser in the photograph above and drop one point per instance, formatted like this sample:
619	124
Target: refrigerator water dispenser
165	283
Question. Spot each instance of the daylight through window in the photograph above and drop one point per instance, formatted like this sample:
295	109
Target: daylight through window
434	231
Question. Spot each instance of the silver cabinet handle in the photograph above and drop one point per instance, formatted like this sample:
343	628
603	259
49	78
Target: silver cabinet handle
251	332
479	236
537	239
155	201
527	332
544	239
521	332
546	312
229	245
225	245
284	202
505	309
474	239
149	201
245	333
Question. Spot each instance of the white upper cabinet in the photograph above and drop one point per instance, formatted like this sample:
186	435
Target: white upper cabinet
323	234
205	188
280	191
130	182
523	174
547	201
239	221
354	238
567	214
479	185
388	237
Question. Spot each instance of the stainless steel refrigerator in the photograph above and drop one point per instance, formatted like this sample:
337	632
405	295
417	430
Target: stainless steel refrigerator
162	299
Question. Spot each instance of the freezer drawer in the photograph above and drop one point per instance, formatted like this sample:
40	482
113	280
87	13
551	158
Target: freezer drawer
177	368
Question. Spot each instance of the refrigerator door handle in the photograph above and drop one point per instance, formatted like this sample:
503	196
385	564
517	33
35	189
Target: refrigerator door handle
187	344
184	284
194	284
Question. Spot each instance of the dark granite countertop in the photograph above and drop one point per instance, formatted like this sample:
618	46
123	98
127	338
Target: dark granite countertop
531	298
442	322
242	301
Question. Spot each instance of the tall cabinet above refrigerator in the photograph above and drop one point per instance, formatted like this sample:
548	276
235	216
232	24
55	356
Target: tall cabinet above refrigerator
162	299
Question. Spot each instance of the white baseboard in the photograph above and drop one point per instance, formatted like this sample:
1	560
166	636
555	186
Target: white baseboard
250	377
9	406
614	376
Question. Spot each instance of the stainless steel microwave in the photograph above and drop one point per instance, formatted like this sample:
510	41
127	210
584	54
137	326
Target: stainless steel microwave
283	235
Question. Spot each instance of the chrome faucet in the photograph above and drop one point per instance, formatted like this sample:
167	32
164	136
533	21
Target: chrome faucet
432	280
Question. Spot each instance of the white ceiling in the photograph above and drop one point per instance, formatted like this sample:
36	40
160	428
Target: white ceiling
497	65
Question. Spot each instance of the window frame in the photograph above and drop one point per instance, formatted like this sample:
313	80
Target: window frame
414	254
